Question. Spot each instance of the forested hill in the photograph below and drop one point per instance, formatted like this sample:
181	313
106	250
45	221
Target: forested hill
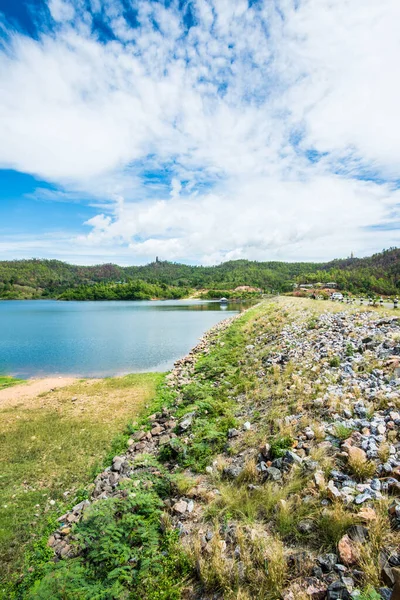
379	273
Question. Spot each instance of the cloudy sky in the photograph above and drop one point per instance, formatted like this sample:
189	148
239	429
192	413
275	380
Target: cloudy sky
199	130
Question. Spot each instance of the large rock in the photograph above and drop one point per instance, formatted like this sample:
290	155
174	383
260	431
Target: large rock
348	551
327	562
291	458
273	474
232	472
396	589
117	463
180	507
338	591
186	421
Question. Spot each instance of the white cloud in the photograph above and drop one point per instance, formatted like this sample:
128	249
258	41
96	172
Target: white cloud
61	10
215	111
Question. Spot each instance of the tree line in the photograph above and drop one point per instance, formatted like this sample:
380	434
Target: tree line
36	278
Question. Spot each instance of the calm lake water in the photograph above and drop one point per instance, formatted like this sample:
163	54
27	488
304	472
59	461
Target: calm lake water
46	337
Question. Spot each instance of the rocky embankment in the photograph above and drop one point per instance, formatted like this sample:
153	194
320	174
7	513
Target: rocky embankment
303	501
163	428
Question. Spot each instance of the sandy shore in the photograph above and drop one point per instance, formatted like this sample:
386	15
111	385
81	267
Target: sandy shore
32	388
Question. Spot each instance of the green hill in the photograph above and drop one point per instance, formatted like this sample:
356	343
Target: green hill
35	278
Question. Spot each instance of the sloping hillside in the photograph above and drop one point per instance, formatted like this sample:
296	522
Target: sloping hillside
36	278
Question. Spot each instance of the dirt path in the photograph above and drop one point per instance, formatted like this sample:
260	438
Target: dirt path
31	389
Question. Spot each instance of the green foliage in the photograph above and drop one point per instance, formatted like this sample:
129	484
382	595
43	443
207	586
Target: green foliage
135	290
6	381
51	278
211	397
342	432
334	362
377	274
230	295
369	594
279	445
47	451
122	554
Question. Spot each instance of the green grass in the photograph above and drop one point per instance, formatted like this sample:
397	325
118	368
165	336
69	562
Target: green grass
49	451
342	432
6	381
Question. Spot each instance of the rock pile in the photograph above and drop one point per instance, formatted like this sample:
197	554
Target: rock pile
164	427
351	363
348	365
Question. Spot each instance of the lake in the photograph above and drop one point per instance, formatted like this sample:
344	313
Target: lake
96	339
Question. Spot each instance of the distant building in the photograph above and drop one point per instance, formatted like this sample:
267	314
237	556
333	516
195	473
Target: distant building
331	285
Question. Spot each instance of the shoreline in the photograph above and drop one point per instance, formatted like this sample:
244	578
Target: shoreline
31	388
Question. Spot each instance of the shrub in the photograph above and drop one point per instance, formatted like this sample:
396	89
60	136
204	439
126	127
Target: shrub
359	465
280	445
342	432
122	550
369	594
334	362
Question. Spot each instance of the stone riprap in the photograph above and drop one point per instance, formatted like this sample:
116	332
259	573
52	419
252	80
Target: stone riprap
345	371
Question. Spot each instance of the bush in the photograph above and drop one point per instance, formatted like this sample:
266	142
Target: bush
280	445
334	362
342	432
359	465
369	594
122	550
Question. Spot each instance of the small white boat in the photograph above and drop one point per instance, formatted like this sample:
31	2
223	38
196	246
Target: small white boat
223	301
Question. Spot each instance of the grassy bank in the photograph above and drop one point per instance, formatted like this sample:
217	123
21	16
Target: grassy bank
50	449
6	381
229	490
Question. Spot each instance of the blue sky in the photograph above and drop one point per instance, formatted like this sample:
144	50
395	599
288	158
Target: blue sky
198	130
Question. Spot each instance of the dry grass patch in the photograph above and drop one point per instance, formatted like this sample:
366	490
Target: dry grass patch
240	502
380	536
332	525
358	464
253	566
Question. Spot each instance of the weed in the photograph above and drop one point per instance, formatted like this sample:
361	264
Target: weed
249	473
358	464
249	505
369	594
333	524
384	452
183	483
334	362
280	445
123	550
342	432
258	571
379	537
